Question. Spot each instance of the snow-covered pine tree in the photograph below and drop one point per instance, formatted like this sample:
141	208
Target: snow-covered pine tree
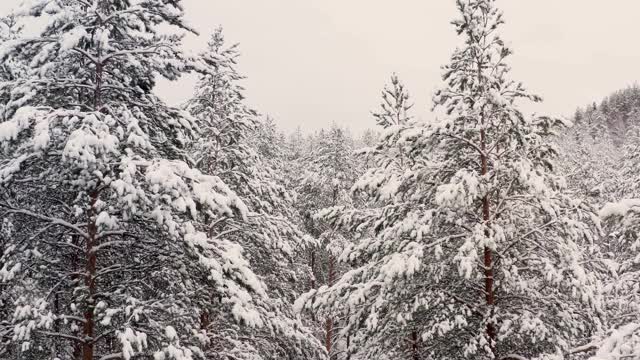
394	113
9	70
475	244
296	141
395	104
293	151
388	162
589	163
242	150
107	243
621	223
630	160
619	344
368	139
618	178
328	170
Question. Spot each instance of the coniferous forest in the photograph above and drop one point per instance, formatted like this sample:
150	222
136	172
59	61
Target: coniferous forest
135	230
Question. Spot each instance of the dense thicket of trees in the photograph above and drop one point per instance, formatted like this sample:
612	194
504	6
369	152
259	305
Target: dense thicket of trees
132	229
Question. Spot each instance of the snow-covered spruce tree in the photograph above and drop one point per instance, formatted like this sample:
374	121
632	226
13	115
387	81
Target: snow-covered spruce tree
475	245
109	246
241	150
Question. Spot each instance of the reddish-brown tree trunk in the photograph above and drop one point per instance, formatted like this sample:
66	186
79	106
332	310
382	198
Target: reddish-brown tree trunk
328	341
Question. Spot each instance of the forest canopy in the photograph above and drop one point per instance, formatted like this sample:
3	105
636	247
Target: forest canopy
134	229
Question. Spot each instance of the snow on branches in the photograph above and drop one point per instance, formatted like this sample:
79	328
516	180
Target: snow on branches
472	248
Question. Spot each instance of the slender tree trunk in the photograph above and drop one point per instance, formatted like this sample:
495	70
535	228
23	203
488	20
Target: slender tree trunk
56	324
329	322
312	282
77	268
97	96
328	335
92	231
204	320
488	253
415	355
348	346
486	217
90	281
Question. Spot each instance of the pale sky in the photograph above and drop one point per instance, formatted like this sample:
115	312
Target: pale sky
313	62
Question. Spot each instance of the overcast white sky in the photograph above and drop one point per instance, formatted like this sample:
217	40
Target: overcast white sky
312	62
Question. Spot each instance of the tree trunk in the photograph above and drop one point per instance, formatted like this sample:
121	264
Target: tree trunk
204	320
348	347
76	278
97	95
56	324
92	231
312	282
90	280
328	341
329	321
488	253
414	346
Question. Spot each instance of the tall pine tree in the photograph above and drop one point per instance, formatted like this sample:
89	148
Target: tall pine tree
474	245
107	244
242	150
